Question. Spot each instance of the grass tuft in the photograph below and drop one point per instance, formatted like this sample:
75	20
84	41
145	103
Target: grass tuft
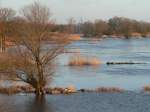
109	90
16	89
79	60
146	88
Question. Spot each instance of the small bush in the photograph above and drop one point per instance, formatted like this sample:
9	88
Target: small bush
146	88
74	37
26	89
79	60
9	91
16	89
111	89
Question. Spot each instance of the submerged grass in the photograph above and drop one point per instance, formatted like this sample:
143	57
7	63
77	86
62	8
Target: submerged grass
57	90
16	89
80	60
9	91
110	89
146	88
4	61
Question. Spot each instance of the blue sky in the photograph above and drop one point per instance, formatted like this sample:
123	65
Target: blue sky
62	10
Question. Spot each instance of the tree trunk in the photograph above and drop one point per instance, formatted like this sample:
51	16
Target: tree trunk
3	44
40	84
40	91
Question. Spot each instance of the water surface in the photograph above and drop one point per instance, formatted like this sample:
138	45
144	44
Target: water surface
130	77
80	102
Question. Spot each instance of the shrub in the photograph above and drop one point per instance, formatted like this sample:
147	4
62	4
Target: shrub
110	89
9	90
16	89
146	88
79	60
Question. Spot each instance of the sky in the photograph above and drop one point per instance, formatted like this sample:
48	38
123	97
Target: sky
85	10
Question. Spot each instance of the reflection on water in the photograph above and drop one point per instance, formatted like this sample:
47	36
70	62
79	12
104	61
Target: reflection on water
80	102
38	104
29	103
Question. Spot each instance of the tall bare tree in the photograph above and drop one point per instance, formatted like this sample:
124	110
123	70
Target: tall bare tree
36	58
6	15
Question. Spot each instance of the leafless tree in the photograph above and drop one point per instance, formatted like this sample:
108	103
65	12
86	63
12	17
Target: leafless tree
71	25
35	58
101	27
6	15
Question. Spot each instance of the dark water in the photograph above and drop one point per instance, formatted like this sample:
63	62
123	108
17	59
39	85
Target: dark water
80	102
130	77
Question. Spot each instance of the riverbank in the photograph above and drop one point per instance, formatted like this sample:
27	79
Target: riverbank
14	90
78	102
122	36
57	90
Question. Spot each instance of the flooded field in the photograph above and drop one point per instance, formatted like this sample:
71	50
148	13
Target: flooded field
131	77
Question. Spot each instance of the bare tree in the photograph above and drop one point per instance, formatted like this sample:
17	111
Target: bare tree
35	58
101	27
6	15
71	25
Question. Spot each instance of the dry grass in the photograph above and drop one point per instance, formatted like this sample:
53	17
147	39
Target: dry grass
57	90
54	90
74	37
16	89
9	91
26	89
5	61
79	60
111	89
146	88
9	44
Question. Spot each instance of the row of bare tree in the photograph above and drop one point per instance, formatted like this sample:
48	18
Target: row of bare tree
114	26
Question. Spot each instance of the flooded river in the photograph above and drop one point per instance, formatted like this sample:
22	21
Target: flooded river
130	77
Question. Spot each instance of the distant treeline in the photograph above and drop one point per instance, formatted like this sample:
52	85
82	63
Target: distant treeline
116	26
